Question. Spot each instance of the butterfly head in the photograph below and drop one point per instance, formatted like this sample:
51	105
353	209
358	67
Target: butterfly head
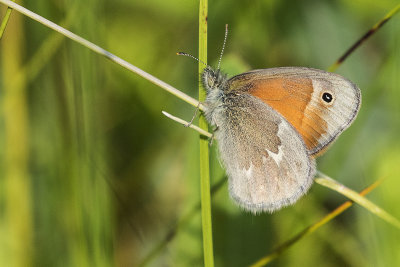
214	80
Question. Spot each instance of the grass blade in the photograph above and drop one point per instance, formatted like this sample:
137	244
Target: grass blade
354	196
204	147
312	228
360	41
3	24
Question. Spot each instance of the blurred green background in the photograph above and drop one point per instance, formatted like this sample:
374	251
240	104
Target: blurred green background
92	174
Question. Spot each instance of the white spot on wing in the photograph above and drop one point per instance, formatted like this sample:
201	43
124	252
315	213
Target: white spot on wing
277	157
249	172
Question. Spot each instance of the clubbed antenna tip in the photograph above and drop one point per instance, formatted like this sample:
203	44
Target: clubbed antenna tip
189	55
223	46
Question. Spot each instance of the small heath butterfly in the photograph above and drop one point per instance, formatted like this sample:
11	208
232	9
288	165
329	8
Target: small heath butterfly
270	126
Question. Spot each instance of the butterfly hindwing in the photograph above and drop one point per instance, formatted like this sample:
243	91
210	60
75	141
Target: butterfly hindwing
265	158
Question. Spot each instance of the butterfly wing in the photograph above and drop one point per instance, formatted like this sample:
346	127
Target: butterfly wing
320	105
265	158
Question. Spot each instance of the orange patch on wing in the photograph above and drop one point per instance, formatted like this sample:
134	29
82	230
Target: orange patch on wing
290	97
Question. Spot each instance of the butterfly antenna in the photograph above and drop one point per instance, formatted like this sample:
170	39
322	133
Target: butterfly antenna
223	46
189	55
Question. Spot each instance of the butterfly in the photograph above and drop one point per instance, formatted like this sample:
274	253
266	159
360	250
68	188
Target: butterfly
271	124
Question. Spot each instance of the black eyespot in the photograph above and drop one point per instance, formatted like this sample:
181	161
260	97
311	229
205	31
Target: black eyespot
327	97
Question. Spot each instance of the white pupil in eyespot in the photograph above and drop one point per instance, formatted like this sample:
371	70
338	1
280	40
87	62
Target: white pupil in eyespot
327	97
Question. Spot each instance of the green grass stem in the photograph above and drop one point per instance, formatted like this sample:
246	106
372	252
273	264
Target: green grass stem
312	228
354	196
99	50
4	22
204	147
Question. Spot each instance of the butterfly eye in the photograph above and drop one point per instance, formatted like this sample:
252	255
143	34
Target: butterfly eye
210	83
327	97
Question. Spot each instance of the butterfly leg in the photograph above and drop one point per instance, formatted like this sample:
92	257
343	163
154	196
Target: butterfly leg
194	115
213	136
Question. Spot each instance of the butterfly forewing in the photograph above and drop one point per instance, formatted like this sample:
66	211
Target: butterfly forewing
318	104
